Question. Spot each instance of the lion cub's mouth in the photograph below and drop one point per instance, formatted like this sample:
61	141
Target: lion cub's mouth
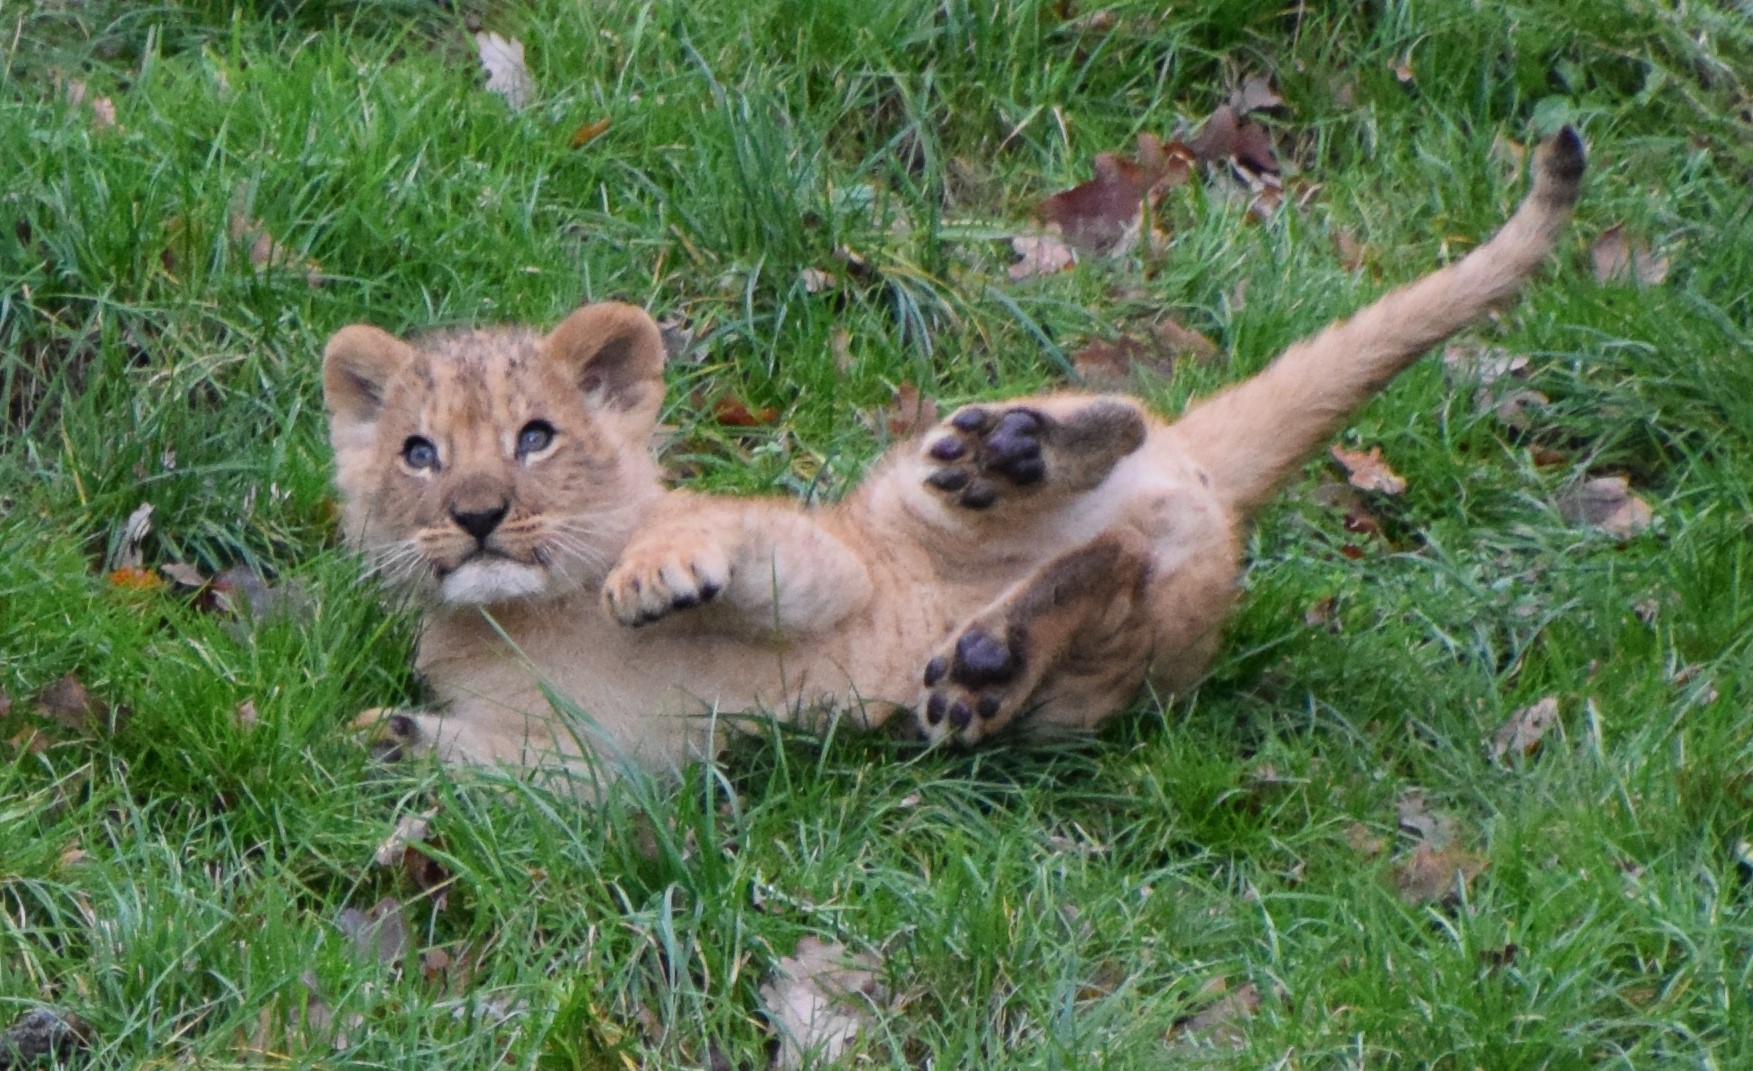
490	576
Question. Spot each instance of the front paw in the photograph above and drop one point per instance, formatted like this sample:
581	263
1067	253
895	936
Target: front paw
651	583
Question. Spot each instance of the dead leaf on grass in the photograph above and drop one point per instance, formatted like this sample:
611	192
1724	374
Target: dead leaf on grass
1368	472
1619	259
103	109
1522	733
244	594
1364	841
1221	1021
733	412
126	553
380	933
41	1032
1226	135
815	280
1255	94
1042	254
265	251
819	1000
502	59
183	575
1184	341
1417	818
908	413
1606	503
1104	215
589	132
1436	874
411	829
67	703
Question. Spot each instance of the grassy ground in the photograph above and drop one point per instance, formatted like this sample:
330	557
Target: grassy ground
180	878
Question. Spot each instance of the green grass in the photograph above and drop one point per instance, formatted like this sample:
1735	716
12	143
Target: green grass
177	881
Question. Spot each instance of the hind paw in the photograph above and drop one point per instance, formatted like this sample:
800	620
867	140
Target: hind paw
975	685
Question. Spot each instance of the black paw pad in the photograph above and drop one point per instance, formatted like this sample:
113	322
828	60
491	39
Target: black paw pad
980	495
948	449
934	670
970	420
934	708
949	479
960	715
983	659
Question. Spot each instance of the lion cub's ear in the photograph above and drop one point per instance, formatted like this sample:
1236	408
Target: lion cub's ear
614	352
358	364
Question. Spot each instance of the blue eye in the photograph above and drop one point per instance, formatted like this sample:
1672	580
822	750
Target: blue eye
420	453
534	438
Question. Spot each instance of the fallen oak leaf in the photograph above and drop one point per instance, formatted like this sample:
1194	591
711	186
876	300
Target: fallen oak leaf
1606	503
819	1000
1114	365
1255	94
502	59
733	412
68	703
1220	1022
411	829
1433	874
1041	254
265	251
1617	259
380	933
1225	135
909	413
1522	733
1367	471
1184	341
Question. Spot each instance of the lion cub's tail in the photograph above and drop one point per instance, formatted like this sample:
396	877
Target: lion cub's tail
1249	437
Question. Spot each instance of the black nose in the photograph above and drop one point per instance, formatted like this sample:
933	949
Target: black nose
478	522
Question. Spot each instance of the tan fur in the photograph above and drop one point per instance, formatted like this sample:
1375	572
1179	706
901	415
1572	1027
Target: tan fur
1026	564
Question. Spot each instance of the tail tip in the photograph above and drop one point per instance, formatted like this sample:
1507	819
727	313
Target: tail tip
1563	161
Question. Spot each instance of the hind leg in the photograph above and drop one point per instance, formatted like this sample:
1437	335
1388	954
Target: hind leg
1068	636
1034	449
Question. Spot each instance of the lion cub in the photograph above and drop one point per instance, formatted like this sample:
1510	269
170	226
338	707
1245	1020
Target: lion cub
1026	564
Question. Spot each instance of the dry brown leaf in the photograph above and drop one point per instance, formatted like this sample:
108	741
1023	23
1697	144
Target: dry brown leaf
1042	254
1416	817
1226	136
1255	94
1363	841
1433	874
909	413
134	578
819	999
1368	472
1104	215
1116	365
1619	259
815	280
502	59
1184	341
1402	69
410	829
245	715
380	933
67	703
1352	253
266	253
1522	733
589	132
733	412
41	1032
1606	503
1221	1021
183	575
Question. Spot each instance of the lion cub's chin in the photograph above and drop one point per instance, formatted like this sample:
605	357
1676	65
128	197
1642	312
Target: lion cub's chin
492	580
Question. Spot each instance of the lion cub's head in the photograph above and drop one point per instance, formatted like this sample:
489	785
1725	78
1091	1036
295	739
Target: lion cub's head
487	466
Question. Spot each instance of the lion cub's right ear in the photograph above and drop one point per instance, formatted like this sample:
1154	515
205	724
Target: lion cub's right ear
358	364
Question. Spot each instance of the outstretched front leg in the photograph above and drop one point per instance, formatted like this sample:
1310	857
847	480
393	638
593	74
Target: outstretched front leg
984	456
736	564
1067	637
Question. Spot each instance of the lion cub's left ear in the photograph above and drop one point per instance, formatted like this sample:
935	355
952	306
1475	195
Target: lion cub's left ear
614	352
